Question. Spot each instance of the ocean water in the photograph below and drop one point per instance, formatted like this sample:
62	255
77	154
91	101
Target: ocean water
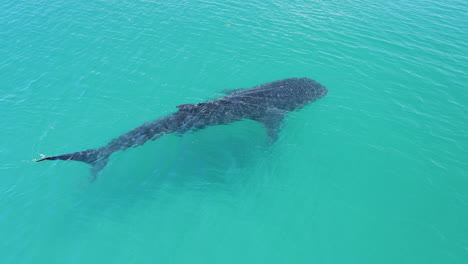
375	172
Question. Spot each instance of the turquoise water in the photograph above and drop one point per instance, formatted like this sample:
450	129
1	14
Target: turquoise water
375	172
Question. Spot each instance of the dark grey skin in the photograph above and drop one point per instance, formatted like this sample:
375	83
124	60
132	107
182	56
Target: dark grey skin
267	103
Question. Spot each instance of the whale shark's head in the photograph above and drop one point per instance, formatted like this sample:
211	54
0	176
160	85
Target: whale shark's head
293	93
309	89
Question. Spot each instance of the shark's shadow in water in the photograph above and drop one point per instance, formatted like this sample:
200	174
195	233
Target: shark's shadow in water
266	103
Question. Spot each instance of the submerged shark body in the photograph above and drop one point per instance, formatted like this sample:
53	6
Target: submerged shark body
267	103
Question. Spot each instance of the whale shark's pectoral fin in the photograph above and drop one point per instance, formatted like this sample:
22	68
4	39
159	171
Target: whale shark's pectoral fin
273	121
231	91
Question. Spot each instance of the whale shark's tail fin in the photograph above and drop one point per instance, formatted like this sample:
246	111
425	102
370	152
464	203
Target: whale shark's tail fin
97	158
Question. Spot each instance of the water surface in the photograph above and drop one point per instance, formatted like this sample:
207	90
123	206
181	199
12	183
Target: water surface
375	172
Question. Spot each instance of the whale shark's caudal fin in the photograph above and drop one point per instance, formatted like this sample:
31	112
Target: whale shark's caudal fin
97	158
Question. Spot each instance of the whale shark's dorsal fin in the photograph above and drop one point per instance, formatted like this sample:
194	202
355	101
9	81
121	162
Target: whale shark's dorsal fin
186	106
189	106
273	121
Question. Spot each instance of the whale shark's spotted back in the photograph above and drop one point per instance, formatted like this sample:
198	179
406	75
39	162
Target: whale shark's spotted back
287	94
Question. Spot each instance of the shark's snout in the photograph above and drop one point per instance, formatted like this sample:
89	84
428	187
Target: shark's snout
323	92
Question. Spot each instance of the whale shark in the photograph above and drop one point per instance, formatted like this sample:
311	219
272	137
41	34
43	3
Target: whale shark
267	103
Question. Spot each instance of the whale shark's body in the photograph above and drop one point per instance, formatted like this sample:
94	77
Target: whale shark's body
267	103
